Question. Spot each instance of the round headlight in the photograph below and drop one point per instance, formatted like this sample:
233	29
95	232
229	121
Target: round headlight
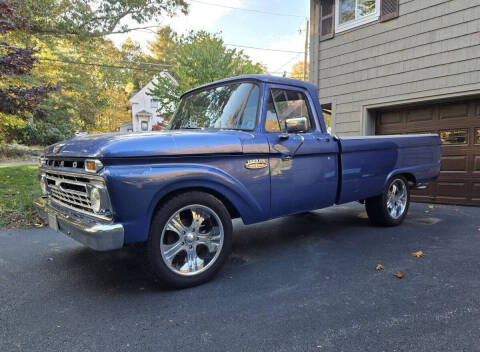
43	185
95	200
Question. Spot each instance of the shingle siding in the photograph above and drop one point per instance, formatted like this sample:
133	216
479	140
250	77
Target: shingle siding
431	50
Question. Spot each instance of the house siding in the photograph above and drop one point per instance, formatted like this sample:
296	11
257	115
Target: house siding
431	51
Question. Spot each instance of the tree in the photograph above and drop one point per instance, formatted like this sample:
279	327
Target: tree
64	46
93	17
137	78
200	58
18	102
164	47
297	71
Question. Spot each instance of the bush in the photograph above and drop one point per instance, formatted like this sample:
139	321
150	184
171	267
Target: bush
16	151
43	133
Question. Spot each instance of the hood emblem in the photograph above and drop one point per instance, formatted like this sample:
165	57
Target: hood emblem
253	164
57	148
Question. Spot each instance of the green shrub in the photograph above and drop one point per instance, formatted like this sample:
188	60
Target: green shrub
16	151
43	133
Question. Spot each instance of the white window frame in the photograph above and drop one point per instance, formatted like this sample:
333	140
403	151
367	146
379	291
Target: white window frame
153	104
356	22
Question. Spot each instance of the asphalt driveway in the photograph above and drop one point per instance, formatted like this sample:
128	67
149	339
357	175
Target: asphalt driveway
301	283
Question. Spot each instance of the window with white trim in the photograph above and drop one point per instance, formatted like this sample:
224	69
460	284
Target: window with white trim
353	13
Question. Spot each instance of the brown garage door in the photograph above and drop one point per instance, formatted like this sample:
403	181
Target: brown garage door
458	124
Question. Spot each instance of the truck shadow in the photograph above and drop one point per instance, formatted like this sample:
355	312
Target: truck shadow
315	225
127	269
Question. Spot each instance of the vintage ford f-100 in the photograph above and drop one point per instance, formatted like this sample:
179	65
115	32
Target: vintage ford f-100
249	147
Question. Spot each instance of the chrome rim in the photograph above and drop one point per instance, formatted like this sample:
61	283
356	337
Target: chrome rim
397	198
192	240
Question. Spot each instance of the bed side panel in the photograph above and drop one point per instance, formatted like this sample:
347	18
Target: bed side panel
368	162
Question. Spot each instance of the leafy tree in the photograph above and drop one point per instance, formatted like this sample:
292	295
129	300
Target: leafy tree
297	71
200	58
18	102
164	47
93	76
93	17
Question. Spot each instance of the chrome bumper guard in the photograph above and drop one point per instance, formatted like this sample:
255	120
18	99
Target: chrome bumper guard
91	233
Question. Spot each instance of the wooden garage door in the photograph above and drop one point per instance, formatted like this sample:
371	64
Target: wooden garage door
458	124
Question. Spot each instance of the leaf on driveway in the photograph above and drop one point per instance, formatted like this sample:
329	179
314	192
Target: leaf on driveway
418	254
431	207
379	267
400	274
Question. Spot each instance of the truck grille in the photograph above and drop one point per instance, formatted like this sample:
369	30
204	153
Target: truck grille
70	191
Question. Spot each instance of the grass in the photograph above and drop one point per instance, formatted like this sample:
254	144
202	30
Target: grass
19	187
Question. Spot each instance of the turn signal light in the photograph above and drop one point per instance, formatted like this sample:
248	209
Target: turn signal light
93	165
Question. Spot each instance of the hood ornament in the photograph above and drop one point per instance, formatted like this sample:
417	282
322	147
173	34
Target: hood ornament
57	147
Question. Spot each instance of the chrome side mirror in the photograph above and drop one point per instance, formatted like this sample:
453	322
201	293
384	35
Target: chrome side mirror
296	125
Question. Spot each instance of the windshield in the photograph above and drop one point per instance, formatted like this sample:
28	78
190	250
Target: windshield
232	106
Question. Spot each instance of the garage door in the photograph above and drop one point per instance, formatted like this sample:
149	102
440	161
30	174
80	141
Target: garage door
458	124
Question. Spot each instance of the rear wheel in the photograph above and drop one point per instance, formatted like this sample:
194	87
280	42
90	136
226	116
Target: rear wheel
391	207
190	239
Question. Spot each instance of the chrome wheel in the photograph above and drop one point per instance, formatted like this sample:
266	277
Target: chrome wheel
192	240
397	198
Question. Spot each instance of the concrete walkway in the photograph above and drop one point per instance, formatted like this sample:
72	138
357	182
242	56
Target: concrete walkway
16	163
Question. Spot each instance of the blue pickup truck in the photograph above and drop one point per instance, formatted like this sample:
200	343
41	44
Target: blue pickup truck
251	147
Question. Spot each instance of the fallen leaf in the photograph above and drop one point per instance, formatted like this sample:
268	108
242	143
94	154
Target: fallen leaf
427	211
379	267
431	207
50	259
327	277
400	274
418	254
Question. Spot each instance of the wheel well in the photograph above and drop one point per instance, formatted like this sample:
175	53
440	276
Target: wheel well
410	178
230	207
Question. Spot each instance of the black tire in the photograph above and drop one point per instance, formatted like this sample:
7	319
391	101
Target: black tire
378	209
167	276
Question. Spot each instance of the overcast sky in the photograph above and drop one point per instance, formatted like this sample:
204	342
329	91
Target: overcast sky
248	28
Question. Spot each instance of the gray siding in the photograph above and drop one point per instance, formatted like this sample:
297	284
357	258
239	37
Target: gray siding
431	51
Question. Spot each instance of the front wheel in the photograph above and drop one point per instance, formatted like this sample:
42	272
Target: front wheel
190	239
391	207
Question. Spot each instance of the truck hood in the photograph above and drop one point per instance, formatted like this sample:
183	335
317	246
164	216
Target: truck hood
158	143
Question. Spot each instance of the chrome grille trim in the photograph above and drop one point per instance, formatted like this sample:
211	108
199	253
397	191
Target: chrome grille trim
73	163
78	200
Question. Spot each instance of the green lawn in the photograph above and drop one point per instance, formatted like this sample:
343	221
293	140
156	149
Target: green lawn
19	187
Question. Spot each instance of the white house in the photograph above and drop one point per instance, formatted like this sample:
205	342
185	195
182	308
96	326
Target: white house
145	112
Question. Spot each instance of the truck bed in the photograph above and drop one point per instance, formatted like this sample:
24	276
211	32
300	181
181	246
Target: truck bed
366	163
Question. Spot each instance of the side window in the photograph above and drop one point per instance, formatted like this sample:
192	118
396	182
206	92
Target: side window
286	104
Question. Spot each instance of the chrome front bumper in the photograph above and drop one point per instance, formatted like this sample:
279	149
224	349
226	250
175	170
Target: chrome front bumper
92	233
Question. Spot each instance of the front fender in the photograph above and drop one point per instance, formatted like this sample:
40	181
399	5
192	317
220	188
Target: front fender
136	190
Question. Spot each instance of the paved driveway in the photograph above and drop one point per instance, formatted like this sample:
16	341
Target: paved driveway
301	283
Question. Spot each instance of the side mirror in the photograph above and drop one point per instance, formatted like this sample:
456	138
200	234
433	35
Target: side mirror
296	125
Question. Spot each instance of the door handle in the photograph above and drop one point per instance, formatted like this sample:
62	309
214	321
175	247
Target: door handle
321	139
